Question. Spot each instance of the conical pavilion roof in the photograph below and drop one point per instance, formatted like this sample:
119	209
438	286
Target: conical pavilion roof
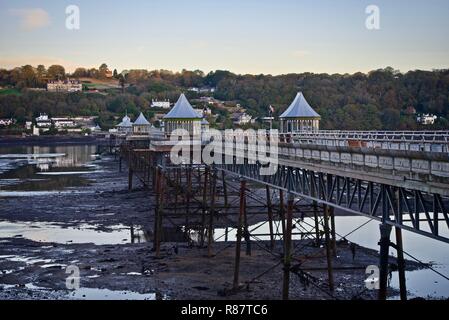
141	120
300	108
182	110
126	122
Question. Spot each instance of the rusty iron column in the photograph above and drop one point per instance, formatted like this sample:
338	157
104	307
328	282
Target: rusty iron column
317	224
204	206
225	189
401	264
225	198
210	231
160	212
287	247
239	234
188	195
282	210
246	233
130	177
333	232
330	271
270	216
156	230
385	231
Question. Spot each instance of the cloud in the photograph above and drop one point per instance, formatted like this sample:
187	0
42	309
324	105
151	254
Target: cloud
31	18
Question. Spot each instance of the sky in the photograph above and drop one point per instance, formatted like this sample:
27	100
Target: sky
243	36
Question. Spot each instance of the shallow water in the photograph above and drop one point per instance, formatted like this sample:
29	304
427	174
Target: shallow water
49	168
106	294
53	233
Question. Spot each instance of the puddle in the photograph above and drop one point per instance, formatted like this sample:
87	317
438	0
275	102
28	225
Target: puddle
27	260
68	173
106	294
38	193
84	233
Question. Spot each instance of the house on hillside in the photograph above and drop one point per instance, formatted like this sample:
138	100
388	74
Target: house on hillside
241	118
426	119
43	121
160	104
68	85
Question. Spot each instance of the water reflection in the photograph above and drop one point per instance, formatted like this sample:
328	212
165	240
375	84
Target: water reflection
85	233
45	168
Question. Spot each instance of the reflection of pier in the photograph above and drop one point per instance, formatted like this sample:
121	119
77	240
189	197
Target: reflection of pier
402	189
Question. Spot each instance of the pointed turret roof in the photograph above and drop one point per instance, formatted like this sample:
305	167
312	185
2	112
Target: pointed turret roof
141	120
300	108
182	110
126	122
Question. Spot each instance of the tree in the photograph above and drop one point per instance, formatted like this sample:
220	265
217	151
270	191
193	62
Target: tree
102	70
115	74
56	72
41	71
80	73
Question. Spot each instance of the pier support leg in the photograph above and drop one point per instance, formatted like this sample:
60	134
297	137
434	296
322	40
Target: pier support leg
203	215
333	233
282	210
130	179
385	231
270	217
210	231
401	264
330	271
246	231
187	198
225	189
120	164
158	211
317	224
287	247
239	234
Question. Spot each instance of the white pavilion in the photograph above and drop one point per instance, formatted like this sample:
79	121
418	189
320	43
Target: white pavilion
182	116
299	116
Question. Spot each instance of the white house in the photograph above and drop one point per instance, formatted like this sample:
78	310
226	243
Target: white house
160	104
43	121
240	118
426	119
68	85
63	123
7	122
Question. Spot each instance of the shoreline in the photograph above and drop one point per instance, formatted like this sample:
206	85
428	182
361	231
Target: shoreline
12	141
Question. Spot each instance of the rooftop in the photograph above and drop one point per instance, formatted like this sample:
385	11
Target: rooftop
182	110
300	108
141	121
